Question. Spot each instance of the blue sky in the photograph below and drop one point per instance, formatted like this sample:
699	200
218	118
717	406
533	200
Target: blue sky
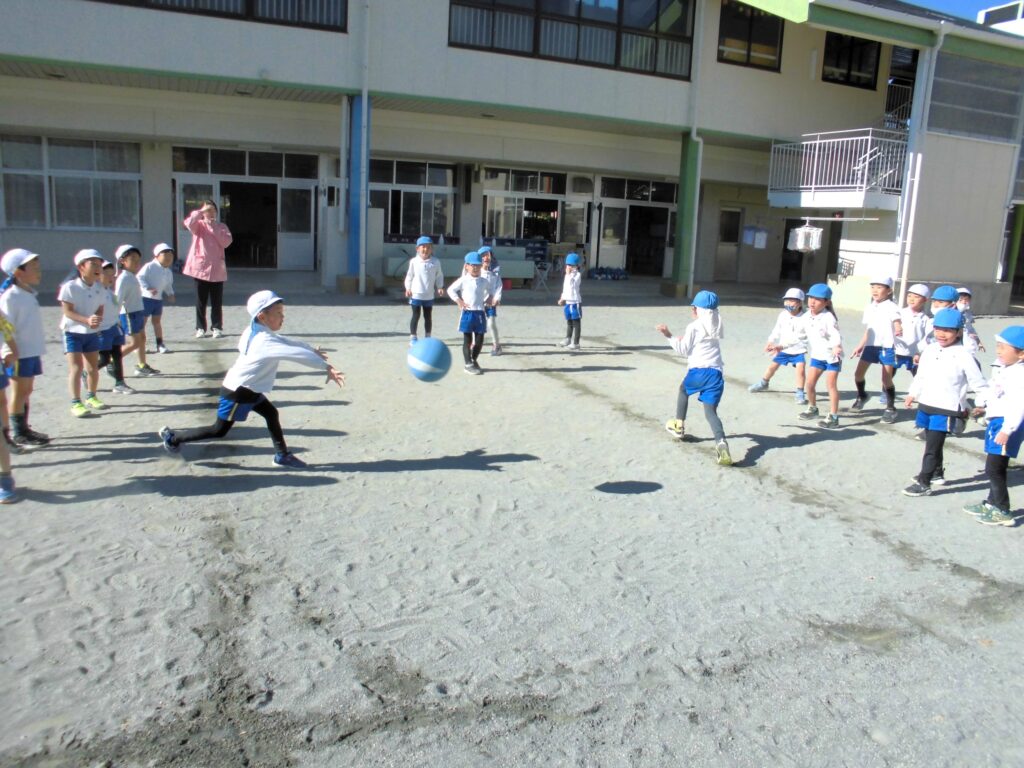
965	9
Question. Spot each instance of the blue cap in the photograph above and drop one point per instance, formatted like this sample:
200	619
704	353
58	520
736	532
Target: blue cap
819	291
945	293
473	258
949	318
1012	335
705	300
484	249
424	240
572	259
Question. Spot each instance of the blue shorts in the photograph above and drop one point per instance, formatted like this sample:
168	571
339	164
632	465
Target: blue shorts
822	365
232	410
152	307
783	359
133	322
1012	447
421	302
573	312
472	321
883	355
936	422
3	381
81	342
111	337
491	311
906	361
25	368
709	382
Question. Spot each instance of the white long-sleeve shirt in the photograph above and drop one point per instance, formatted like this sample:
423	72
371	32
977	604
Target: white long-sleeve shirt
944	377
424	278
915	329
21	307
474	291
496	287
879	318
260	352
1006	397
156	280
700	348
790	332
823	336
571	288
128	292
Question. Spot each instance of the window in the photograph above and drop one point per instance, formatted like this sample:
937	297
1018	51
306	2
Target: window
749	36
638	189
418	198
850	61
976	98
70	183
237	162
319	14
651	36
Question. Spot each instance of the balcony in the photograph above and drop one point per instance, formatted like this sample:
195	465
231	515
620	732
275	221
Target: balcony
845	169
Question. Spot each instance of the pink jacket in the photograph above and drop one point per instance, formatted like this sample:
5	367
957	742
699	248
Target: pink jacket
205	259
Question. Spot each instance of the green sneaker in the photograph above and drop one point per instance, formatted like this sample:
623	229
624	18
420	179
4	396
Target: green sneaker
996	516
724	457
78	410
675	427
95	403
977	510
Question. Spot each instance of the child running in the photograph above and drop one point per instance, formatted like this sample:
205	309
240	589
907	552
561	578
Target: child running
573	301
788	343
1005	431
111	333
882	326
492	271
473	293
825	347
944	374
423	280
82	301
157	283
700	344
20	304
249	381
133	316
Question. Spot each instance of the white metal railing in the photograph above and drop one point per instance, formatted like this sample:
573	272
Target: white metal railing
868	159
898	101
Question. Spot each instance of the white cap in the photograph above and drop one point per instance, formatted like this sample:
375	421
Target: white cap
15	258
964	290
123	249
794	293
920	289
886	281
161	247
260	301
87	253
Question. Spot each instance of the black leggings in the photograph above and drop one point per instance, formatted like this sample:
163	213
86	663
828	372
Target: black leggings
995	470
113	356
934	440
221	427
428	322
212	293
572	330
710	413
472	343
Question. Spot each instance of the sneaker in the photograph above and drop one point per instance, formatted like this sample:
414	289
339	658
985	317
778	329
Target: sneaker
919	435
978	510
161	349
675	427
810	412
13	446
412	340
7	494
217	333
200	333
497	351
565	342
167	436
939	478
889	416
79	411
29	439
468	368
289	459
722	449
800	396
476	370
858	404
996	516
120	388
760	386
829	422
95	403
917	489
145	370
573	347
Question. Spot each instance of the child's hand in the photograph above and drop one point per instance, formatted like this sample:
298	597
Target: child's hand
663	330
335	375
561	302
440	292
977	412
154	293
1001	438
917	360
908	401
170	299
857	351
838	352
94	321
463	305
408	293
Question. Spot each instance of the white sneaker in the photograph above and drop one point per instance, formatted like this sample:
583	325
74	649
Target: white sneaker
200	333
161	349
565	343
413	340
573	346
217	333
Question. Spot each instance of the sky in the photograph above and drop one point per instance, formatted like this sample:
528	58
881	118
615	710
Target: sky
965	9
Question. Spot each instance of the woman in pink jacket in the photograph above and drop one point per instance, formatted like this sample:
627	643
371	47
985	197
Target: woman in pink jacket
205	263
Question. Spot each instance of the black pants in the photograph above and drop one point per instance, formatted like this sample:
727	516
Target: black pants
428	321
995	471
934	440
212	293
572	330
113	357
472	343
221	427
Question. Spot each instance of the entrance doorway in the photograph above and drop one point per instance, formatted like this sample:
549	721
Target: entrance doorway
727	252
646	236
792	268
250	211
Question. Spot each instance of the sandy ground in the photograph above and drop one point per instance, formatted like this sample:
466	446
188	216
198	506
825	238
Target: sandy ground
521	568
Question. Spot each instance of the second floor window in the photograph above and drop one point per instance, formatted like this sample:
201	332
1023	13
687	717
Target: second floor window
749	36
850	60
318	14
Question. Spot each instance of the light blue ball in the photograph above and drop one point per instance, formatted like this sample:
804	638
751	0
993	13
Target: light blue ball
429	359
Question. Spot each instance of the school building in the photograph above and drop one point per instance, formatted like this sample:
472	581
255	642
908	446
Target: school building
684	140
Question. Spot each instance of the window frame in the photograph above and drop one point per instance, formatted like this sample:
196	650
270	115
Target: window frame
852	42
248	15
401	190
750	21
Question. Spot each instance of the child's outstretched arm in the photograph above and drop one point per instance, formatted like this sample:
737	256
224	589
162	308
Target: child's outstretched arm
333	374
